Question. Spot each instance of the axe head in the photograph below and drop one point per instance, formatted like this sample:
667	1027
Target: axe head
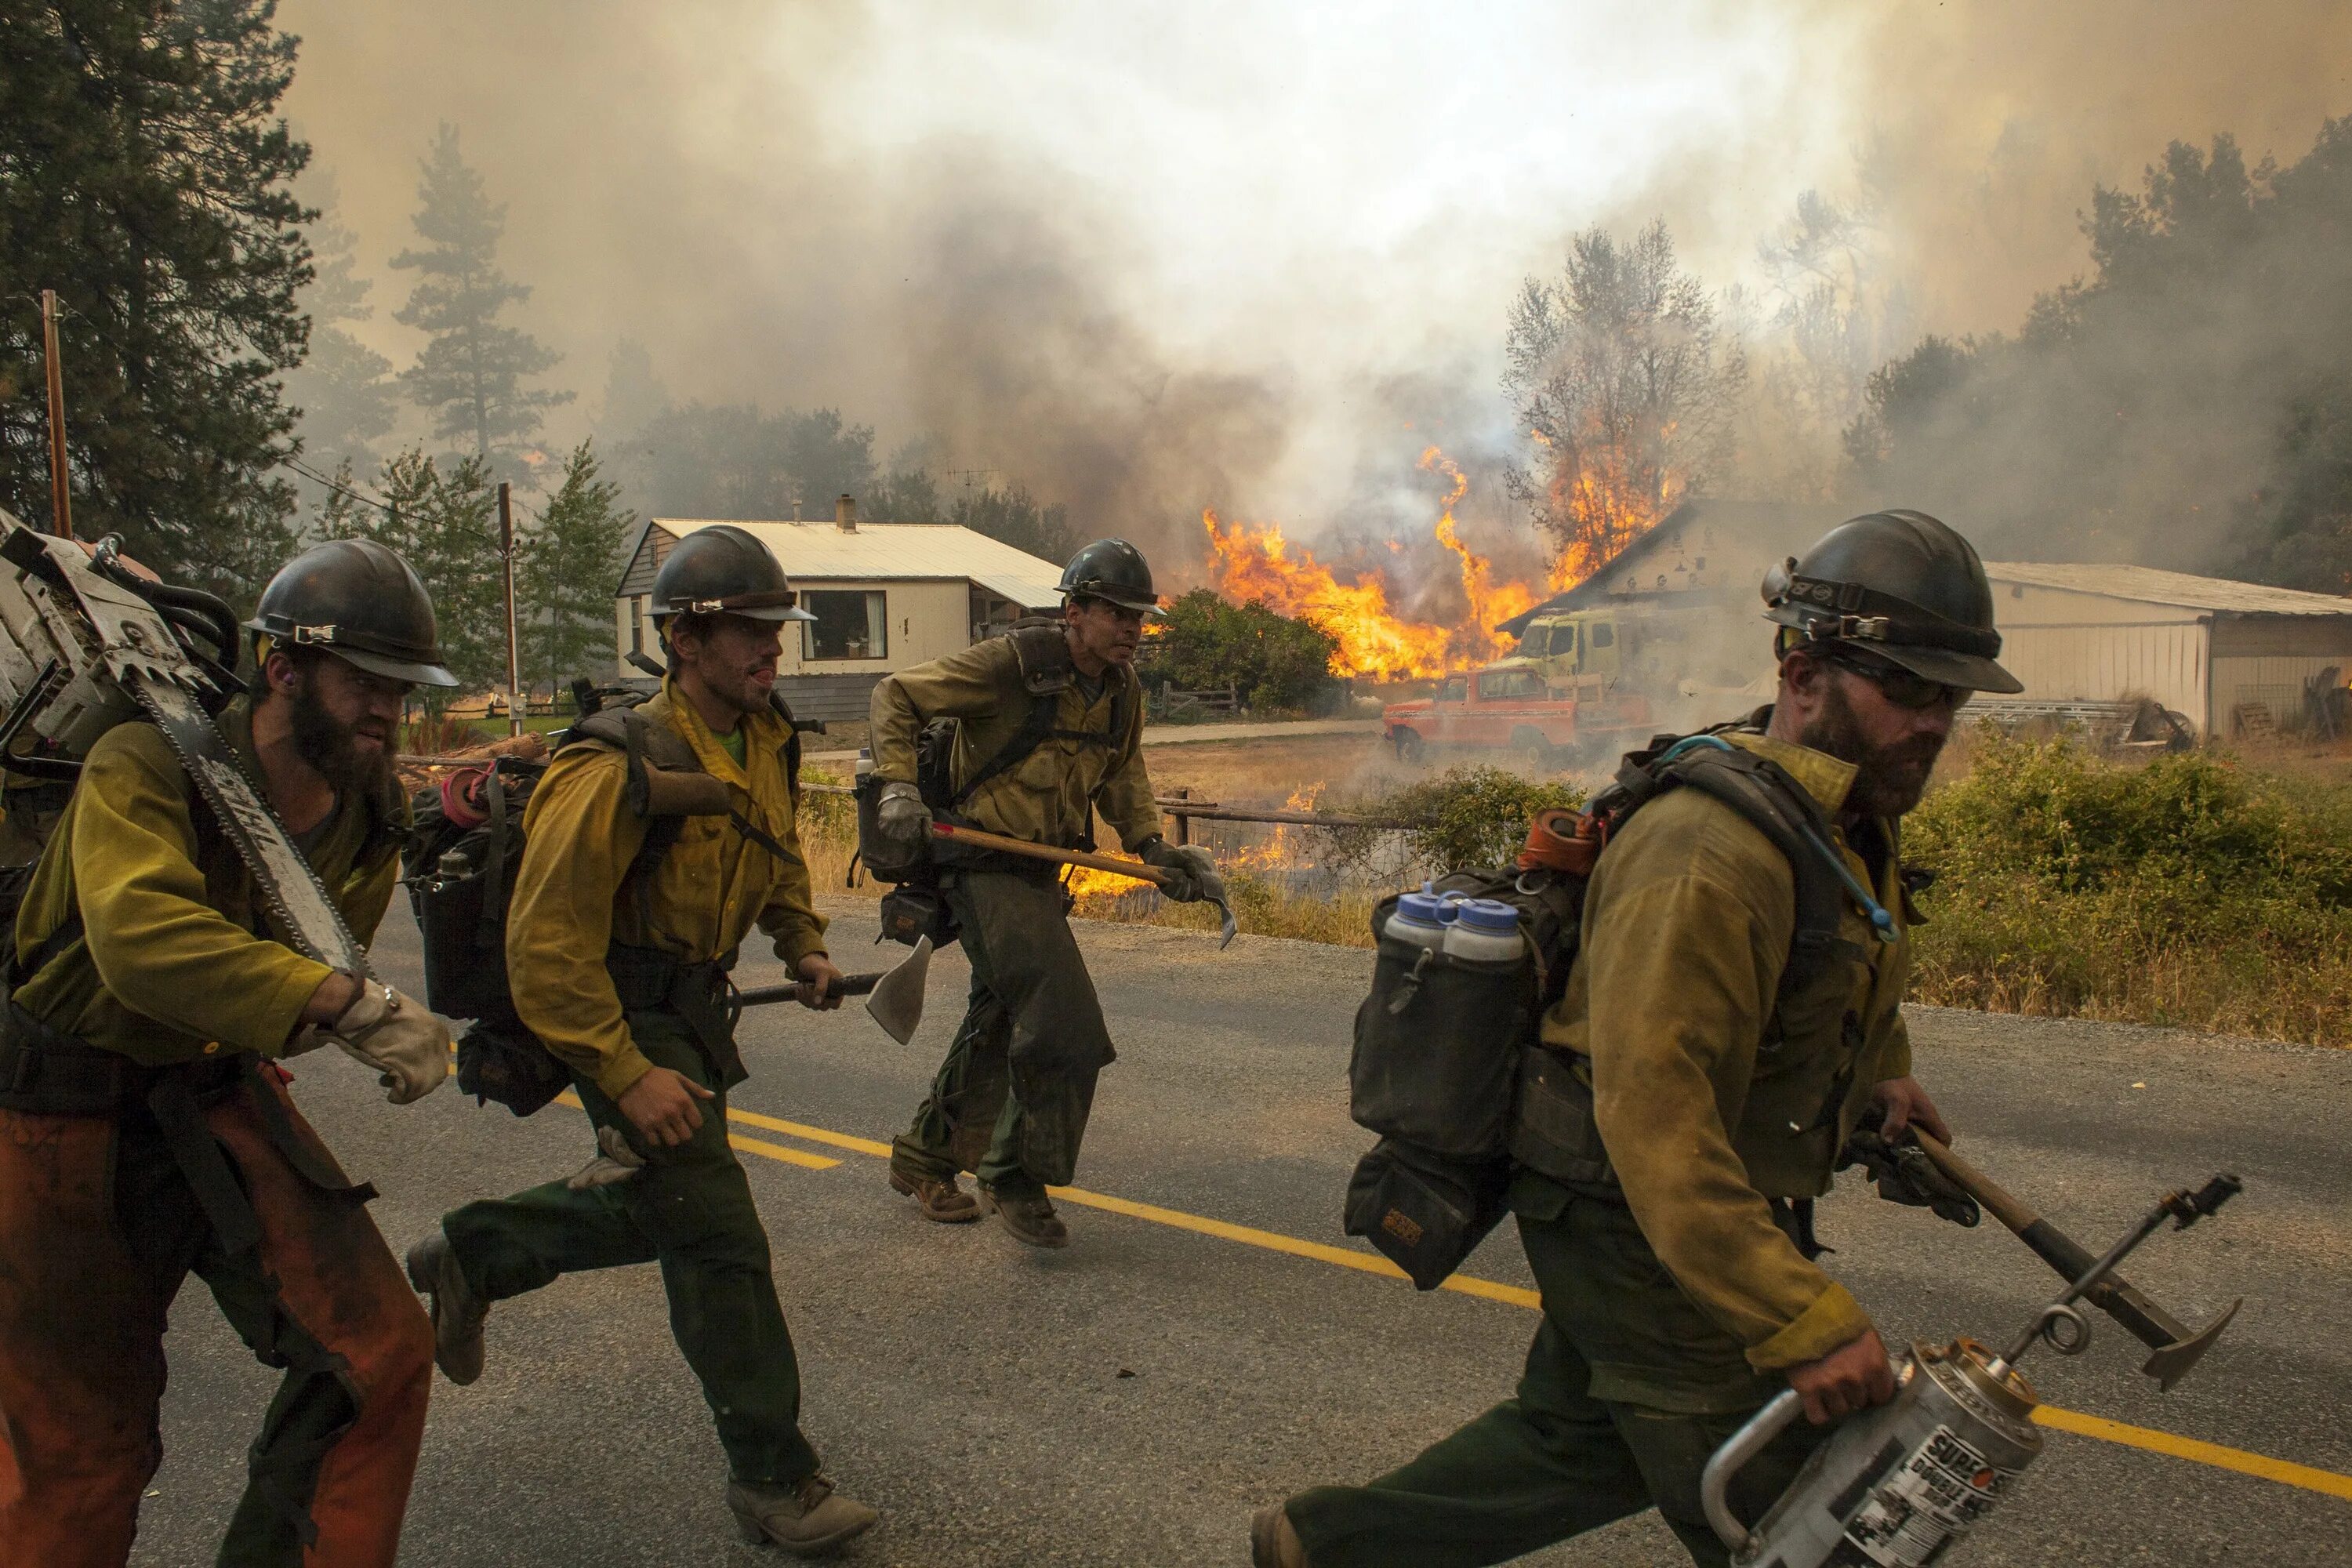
1225	935
897	1000
2171	1362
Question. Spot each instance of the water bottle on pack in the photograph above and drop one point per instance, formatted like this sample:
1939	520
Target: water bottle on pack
1420	919
1485	930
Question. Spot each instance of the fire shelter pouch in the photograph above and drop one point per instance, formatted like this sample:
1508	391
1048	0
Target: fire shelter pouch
1437	1048
1424	1212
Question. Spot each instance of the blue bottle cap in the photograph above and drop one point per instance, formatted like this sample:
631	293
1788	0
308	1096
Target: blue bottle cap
1421	907
1488	915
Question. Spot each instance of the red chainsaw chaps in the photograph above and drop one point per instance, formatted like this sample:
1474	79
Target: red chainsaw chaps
82	1352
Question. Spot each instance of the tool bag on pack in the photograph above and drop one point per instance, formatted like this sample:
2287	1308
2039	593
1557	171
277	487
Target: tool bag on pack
1447	1066
915	907
463	849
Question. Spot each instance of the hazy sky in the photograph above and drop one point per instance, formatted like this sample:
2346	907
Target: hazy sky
1150	258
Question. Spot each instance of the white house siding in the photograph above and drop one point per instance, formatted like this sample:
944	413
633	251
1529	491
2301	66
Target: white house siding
926	620
2104	663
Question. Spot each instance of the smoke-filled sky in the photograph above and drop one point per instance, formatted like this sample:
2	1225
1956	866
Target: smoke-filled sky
1254	256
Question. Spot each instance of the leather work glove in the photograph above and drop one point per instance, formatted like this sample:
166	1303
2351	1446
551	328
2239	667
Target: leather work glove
618	1162
900	815
398	1036
1194	874
1904	1174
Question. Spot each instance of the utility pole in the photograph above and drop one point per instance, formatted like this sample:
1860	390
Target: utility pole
507	558
60	501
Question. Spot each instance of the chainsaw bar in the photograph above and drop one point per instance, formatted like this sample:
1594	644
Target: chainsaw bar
298	901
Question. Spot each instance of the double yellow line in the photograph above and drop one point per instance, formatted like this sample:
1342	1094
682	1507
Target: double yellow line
2286	1472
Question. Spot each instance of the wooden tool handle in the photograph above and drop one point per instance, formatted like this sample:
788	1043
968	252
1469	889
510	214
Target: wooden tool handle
1111	863
790	991
2004	1206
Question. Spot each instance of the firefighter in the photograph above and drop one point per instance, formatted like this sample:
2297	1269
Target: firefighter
145	1128
1049	732
1679	1288
621	969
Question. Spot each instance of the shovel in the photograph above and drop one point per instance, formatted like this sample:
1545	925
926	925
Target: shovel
1115	865
894	998
2177	1347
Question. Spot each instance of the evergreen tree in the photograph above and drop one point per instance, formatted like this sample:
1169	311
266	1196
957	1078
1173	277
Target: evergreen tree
906	492
470	376
1015	516
143	175
563	581
446	526
634	395
344	392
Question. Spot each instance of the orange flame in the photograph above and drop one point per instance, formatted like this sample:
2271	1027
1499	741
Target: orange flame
1254	562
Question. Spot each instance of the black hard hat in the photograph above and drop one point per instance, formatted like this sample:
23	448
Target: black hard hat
1114	570
1901	585
723	569
361	602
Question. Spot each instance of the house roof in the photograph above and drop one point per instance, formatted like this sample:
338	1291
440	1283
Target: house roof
822	550
2146	584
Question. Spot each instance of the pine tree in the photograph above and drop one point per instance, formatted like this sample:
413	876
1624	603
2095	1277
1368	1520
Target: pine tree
344	392
444	525
563	582
470	376
143	175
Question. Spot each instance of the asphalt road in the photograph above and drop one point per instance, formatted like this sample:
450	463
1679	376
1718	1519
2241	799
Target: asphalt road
1129	1401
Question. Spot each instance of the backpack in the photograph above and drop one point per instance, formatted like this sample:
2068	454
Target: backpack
464	845
1447	1067
915	907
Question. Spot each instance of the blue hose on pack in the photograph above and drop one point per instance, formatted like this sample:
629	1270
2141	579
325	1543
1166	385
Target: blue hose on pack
1882	924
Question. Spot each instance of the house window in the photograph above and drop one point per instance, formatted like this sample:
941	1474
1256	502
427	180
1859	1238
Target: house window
636	623
850	624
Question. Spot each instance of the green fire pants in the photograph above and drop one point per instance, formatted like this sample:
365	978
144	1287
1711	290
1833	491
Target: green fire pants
1010	1103
1628	1389
690	1210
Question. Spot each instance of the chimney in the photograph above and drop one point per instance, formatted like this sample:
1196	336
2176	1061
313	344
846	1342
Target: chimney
844	514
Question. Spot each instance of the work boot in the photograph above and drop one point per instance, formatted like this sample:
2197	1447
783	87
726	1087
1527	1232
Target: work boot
808	1518
458	1312
942	1201
1273	1544
1028	1214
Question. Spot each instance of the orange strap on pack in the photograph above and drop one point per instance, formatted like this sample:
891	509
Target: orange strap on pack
1563	840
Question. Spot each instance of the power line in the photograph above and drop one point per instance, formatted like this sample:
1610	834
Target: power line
389	509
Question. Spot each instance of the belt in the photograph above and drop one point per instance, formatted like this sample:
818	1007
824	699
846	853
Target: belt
648	980
45	1071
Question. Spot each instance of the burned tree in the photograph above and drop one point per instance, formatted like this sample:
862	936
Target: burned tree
1627	389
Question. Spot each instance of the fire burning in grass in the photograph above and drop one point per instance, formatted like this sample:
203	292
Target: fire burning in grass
1254	562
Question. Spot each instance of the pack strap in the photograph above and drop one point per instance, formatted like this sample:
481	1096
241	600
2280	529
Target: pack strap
1037	727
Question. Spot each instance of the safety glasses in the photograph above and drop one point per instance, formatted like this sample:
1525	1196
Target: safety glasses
1902	688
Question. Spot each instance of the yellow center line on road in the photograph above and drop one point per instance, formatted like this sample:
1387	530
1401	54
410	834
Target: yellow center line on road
2286	1472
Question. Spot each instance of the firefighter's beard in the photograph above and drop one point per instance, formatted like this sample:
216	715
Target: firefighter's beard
1888	780
331	746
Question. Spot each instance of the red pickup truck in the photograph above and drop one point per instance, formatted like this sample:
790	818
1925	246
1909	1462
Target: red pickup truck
1509	707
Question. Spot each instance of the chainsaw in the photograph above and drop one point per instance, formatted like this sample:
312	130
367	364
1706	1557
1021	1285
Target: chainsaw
1893	1487
89	640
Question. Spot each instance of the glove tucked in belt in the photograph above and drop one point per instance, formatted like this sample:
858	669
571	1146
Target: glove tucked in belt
1904	1174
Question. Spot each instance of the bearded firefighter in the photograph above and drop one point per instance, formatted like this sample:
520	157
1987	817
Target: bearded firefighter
1049	733
1711	1076
145	1127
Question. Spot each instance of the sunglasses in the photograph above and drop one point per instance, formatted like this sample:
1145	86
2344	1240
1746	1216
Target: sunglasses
1903	688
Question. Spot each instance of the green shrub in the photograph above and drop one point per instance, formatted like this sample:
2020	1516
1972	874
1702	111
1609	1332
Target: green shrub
1208	643
2188	891
1462	818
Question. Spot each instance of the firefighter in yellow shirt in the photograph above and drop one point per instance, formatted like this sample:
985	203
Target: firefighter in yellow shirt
1672	1245
145	1130
620	969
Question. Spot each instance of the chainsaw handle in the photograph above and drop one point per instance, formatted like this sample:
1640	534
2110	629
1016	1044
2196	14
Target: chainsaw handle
1715	1481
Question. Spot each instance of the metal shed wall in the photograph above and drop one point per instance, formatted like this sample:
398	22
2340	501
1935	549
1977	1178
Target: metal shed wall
2067	646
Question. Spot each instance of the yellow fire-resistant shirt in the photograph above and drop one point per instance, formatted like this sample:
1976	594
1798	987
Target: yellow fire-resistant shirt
573	896
168	967
1051	795
1687	924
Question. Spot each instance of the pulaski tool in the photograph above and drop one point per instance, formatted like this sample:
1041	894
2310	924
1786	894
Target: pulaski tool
1894	1486
2176	1348
1118	866
893	998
